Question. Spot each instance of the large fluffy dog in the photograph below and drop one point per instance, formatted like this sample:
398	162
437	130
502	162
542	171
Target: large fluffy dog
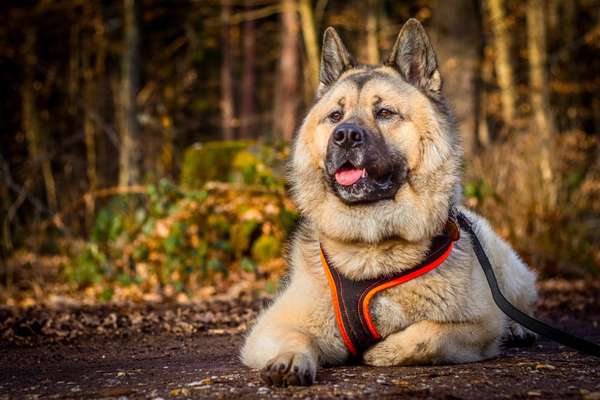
376	170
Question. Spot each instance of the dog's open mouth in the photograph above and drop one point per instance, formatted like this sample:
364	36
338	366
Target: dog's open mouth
357	184
362	172
348	174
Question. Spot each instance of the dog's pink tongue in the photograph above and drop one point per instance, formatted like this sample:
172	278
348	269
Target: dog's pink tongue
348	177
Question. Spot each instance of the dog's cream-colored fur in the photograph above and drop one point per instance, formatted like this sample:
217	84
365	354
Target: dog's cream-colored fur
444	316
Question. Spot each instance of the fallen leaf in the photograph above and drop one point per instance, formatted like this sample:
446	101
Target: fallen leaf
545	366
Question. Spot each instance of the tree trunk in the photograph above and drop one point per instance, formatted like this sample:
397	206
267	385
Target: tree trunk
568	22
6	247
227	110
373	56
311	44
130	151
553	16
93	63
502	44
286	98
89	126
248	77
31	118
166	110
539	94
458	37
536	49
74	72
486	75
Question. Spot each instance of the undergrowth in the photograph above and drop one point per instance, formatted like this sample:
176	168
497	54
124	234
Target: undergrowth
184	241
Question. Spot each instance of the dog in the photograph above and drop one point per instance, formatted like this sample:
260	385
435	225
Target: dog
375	171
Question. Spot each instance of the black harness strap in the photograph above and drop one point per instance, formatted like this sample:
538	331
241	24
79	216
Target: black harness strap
351	298
348	297
511	311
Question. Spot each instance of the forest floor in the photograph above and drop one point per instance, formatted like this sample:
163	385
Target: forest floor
190	351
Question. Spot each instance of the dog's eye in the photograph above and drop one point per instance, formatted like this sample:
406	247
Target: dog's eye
335	116
384	113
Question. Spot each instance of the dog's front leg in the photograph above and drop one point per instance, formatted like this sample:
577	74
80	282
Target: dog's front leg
285	356
279	344
429	342
294	364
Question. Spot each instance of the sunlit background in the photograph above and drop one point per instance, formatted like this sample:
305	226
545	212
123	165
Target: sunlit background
143	143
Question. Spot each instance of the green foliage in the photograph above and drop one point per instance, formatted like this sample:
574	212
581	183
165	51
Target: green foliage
241	162
479	190
266	248
241	235
209	162
255	166
115	218
288	219
248	264
183	238
88	267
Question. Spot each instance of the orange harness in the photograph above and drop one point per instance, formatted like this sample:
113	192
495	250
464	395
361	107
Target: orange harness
351	299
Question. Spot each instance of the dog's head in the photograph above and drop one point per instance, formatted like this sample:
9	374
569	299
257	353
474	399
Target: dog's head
377	156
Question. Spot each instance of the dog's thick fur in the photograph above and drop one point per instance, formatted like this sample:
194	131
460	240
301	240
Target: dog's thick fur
444	316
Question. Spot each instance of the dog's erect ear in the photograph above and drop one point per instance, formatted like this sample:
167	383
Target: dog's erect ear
414	58
335	59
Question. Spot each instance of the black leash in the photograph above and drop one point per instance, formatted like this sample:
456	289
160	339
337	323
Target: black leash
507	308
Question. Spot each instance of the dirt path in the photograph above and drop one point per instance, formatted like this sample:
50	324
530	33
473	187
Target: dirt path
159	360
206	366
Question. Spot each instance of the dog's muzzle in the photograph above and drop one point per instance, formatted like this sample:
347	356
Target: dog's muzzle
361	167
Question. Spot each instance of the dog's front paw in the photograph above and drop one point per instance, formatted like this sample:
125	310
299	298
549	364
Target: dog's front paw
290	369
381	355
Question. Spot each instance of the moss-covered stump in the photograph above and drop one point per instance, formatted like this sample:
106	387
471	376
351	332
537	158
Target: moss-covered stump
244	162
211	161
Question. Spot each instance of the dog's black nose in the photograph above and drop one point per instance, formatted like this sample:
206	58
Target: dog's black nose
348	135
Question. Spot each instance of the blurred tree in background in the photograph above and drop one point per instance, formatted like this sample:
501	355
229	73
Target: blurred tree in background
143	141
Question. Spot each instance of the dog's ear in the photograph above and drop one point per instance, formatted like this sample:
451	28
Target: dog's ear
335	59
414	58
